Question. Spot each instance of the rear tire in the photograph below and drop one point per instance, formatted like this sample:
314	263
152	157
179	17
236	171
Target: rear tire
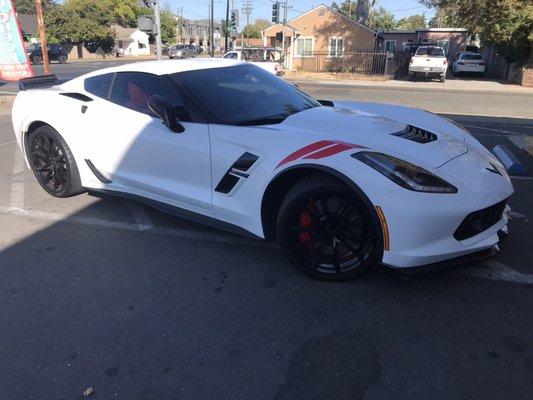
326	231
37	60
62	59
442	78
52	163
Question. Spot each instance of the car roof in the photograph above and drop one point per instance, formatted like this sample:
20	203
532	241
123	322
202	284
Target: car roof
164	67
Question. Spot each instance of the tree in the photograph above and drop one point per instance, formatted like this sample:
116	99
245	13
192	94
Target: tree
358	10
28	6
169	26
508	24
125	12
85	22
254	31
382	20
412	22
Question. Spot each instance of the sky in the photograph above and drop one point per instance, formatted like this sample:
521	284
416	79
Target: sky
198	9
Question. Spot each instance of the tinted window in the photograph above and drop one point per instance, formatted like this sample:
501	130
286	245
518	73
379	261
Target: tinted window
430	51
243	95
231	55
472	57
99	85
133	89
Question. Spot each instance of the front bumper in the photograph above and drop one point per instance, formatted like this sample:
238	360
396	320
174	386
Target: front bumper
422	225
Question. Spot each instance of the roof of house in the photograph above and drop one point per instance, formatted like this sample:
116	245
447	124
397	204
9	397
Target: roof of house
28	23
122	33
426	30
287	26
291	22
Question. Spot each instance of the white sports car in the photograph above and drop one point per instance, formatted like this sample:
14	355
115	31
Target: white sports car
342	186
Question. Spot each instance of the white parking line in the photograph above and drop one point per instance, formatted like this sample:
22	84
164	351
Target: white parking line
165	231
17	186
497	271
492	129
6	143
139	215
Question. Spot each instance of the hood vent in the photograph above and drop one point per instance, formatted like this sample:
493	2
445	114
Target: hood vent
415	134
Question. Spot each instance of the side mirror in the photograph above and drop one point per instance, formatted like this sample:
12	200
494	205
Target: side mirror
163	109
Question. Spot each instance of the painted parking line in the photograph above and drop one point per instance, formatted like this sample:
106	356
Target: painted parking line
6	143
136	227
501	131
496	271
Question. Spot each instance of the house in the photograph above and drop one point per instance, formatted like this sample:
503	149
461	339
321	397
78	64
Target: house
198	32
316	37
452	40
132	40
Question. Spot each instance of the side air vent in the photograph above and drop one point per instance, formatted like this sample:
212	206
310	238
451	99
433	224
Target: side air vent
415	134
238	171
77	96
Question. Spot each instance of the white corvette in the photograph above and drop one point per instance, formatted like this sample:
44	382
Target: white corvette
342	186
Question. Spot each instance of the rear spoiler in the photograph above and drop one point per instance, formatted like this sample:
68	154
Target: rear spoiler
37	81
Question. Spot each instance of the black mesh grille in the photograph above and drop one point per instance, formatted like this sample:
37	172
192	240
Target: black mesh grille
479	221
416	134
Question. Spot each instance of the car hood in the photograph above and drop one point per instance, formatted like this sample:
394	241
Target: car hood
379	128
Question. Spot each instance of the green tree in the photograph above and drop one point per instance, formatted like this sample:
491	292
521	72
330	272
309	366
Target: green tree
28	6
358	10
254	30
382	20
125	12
412	22
85	22
508	24
169	25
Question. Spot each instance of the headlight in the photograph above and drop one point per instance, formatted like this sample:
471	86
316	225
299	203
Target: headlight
405	174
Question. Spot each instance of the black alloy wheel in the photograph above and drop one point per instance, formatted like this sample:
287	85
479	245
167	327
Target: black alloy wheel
328	233
52	163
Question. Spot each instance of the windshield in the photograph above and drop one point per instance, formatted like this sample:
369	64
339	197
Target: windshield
430	51
243	95
178	47
472	57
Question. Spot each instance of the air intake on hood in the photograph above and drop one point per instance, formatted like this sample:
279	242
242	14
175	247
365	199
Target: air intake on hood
416	134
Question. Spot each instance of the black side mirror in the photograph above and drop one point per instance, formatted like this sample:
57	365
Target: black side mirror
163	109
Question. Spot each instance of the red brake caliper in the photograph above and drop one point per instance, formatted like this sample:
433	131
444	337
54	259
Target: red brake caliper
305	222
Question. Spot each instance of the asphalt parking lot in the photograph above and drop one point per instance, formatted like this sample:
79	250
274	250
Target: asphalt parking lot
107	293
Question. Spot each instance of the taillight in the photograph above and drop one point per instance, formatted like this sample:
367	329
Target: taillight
482	63
461	62
410	62
444	62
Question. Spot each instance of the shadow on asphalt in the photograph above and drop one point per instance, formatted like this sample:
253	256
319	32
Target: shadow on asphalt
143	316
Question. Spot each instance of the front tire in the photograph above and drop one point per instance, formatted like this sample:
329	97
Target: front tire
326	230
52	163
37	60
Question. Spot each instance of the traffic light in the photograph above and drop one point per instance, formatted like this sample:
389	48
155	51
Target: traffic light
234	20
275	12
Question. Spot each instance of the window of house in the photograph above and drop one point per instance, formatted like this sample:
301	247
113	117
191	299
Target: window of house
304	47
336	47
445	44
390	46
99	85
142	45
133	89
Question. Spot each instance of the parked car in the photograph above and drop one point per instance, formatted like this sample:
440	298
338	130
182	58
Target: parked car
467	61
258	58
56	52
428	61
182	51
341	185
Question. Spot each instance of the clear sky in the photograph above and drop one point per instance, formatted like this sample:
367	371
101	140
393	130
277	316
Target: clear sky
198	9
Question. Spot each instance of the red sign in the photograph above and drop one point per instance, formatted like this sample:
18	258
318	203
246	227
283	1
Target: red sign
14	63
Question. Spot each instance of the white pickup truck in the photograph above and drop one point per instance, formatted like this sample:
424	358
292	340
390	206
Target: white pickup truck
257	58
428	61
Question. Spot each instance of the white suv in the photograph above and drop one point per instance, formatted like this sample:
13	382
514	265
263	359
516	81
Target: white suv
467	61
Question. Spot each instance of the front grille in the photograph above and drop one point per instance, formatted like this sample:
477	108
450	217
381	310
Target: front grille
415	134
480	221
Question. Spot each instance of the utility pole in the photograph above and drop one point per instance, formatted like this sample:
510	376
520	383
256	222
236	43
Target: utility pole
247	8
42	35
226	33
285	6
212	30
157	15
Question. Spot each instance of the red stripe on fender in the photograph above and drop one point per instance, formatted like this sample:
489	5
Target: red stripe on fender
304	151
330	151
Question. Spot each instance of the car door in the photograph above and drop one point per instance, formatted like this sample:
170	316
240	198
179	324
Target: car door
129	145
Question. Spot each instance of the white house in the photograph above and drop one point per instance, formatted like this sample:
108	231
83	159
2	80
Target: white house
133	41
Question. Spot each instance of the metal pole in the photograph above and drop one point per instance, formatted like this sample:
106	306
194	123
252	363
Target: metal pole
283	33
157	16
226	34
42	35
212	30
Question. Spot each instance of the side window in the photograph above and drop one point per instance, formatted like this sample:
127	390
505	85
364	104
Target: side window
133	89
99	85
231	55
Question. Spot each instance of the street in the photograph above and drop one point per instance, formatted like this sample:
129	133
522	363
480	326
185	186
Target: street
103	292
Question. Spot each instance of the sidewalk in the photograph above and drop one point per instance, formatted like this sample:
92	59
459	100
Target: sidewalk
458	84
